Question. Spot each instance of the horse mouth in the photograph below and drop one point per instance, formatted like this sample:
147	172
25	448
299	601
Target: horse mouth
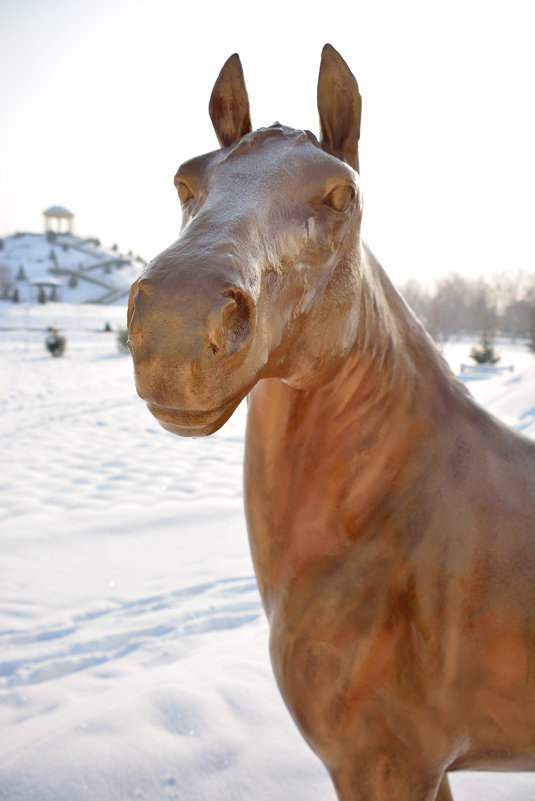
186	423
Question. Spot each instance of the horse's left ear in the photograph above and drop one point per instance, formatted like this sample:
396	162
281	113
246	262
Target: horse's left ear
339	105
229	104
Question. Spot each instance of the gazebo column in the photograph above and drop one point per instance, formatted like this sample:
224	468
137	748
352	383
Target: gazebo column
57	214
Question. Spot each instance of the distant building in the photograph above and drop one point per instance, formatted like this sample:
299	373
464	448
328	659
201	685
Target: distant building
54	217
46	289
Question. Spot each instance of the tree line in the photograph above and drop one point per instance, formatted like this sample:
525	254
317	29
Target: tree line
503	304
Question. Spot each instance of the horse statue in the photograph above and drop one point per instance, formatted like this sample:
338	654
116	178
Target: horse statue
390	518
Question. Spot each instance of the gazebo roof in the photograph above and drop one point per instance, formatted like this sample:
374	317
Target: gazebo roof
58	211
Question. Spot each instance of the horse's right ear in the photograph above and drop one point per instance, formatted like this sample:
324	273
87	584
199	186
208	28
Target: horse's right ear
339	106
229	104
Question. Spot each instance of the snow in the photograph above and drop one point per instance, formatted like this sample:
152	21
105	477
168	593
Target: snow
87	272
133	645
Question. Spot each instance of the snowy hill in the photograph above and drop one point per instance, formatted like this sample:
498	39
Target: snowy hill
134	648
64	267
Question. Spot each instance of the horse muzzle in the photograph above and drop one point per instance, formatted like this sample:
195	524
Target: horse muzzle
186	423
190	349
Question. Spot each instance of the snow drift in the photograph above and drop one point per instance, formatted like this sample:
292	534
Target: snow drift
133	661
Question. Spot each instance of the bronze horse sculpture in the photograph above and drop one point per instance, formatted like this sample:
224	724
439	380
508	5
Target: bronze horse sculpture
391	520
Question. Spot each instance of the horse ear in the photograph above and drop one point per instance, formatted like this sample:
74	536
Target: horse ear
229	104
339	106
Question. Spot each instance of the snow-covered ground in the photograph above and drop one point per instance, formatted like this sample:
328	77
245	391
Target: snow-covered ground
133	646
67	268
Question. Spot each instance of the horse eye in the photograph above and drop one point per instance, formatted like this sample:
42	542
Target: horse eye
340	198
184	192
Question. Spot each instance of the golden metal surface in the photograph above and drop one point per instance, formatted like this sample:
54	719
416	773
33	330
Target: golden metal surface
391	519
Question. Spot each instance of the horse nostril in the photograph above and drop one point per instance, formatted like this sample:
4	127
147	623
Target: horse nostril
235	324
139	291
130	311
237	319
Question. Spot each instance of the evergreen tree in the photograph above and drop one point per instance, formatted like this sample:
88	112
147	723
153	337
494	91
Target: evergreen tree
485	354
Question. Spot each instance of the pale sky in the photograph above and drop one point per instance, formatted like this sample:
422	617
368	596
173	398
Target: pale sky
102	101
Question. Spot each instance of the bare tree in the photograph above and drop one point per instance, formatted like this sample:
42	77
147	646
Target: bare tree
6	281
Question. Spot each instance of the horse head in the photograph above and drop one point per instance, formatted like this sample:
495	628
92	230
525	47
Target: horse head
261	281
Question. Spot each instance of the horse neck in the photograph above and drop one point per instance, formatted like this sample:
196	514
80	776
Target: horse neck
321	464
394	371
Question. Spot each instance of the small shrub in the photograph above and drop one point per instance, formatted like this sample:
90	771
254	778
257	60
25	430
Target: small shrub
55	343
485	354
122	340
107	327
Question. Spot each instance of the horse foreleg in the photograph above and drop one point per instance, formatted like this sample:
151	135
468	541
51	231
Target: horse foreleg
444	792
389	779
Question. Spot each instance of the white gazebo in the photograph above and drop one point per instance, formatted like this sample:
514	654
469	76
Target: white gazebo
54	217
